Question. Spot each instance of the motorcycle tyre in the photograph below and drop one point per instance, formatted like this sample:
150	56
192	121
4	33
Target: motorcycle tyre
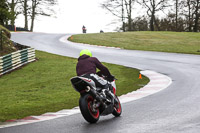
85	109
117	112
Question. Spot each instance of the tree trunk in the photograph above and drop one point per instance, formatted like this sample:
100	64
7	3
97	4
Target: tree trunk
129	23
129	16
156	23
123	23
12	6
152	22
152	16
176	15
25	15
196	21
33	14
189	16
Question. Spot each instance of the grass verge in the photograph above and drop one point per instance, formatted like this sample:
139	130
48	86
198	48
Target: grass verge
44	86
176	42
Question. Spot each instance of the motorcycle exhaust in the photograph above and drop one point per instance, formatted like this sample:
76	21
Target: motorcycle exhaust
88	89
95	95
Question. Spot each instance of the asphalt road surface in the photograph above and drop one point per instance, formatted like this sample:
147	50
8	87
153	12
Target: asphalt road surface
173	110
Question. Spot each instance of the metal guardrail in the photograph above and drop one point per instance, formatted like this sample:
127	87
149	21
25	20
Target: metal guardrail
16	59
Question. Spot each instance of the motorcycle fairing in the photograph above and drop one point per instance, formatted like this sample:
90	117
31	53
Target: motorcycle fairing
80	83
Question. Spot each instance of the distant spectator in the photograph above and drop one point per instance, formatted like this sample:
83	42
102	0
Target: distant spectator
84	29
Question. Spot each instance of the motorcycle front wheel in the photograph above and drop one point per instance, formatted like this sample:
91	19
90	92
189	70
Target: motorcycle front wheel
86	104
117	108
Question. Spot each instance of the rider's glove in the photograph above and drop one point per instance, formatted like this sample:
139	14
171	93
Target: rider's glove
110	78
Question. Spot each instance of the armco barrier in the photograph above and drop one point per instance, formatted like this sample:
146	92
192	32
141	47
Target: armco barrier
16	59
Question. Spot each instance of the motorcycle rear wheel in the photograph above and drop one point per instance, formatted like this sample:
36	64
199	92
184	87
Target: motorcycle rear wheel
86	106
117	108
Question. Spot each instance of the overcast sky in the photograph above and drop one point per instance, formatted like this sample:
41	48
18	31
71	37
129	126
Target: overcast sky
71	15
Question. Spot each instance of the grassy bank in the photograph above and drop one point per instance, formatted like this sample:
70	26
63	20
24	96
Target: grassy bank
44	86
6	46
176	42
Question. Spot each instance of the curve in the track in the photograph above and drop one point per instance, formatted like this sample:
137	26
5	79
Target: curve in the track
157	83
175	109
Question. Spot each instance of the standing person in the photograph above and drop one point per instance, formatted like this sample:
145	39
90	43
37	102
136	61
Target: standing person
84	29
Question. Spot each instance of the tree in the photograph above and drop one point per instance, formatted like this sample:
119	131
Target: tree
169	23
192	13
129	4
33	14
177	4
118	7
4	12
26	12
14	10
176	14
41	7
196	5
188	13
177	7
140	24
153	6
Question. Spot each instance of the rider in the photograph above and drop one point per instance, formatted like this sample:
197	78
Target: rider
87	66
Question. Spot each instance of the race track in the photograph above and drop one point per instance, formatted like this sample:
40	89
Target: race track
175	109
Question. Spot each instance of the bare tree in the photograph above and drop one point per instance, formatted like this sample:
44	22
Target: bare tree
118	8
188	13
177	6
26	12
41	7
192	13
34	5
176	13
129	4
140	23
14	10
153	6
169	23
196	5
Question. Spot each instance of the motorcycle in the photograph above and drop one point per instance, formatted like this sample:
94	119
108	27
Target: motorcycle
95	102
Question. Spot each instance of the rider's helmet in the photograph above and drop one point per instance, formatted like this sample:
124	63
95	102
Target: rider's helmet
86	52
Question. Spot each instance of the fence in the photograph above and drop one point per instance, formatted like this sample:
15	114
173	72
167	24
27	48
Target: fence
16	59
13	28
